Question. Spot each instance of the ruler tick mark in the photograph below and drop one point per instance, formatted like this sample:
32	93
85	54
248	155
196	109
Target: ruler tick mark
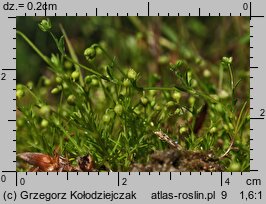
221	178
8	69
118	179
250	16
16	178
148	8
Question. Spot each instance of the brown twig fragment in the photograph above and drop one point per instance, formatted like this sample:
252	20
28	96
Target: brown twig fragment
166	138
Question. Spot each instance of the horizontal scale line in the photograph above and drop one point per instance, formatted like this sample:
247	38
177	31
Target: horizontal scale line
8	69
257	16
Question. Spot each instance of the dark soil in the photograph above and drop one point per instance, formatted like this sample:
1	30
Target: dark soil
180	160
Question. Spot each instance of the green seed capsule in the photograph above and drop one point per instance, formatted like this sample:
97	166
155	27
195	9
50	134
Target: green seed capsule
106	118
71	100
170	103
45	25
44	123
126	82
206	73
183	130
213	130
44	110
234	166
47	82
132	74
90	53
75	75
157	107
144	100
88	79
118	109
58	80
55	90
19	93
176	95
94	82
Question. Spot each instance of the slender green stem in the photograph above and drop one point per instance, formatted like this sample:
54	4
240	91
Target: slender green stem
46	59
110	58
231	78
87	68
159	88
240	117
72	54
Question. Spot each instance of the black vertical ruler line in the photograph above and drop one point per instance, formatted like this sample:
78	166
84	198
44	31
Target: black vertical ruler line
250	11
148	8
16	178
221	178
118	179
